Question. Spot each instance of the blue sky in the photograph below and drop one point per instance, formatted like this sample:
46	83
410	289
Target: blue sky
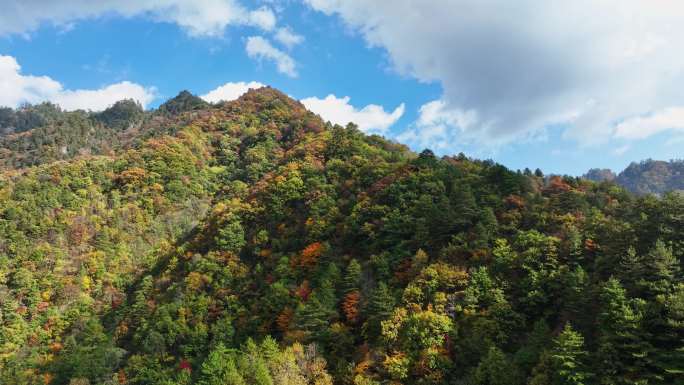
523	84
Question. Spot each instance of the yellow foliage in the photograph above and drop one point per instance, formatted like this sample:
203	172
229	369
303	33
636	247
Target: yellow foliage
86	282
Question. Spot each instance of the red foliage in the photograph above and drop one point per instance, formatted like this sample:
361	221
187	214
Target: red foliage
185	365
303	291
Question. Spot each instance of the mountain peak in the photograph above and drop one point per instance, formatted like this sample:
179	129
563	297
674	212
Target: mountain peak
184	101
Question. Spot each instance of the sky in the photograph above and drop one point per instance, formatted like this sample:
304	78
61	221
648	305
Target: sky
561	85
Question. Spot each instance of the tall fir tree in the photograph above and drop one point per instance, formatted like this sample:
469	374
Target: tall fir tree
568	357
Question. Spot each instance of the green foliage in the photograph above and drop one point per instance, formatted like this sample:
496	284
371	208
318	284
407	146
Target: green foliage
568	357
166	243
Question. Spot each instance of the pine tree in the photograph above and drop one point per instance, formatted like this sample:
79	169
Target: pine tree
660	271
352	278
568	356
315	316
380	308
623	352
669	357
630	270
220	369
495	369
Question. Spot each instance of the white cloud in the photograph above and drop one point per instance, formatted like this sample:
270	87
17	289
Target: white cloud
102	98
288	38
371	118
524	65
197	17
439	127
641	127
16	88
229	91
263	18
261	49
621	150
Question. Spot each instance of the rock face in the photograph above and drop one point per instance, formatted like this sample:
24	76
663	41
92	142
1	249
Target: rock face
653	177
600	175
646	177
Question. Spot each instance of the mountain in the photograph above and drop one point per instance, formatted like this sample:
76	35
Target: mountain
647	177
34	135
600	175
250	242
653	177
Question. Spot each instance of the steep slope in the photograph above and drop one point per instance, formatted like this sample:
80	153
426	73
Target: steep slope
251	243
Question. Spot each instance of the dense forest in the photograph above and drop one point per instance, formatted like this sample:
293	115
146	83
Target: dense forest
249	242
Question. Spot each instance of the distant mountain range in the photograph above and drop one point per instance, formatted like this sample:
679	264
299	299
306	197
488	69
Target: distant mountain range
646	177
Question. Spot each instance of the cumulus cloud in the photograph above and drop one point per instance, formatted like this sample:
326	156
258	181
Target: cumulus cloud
371	118
439	127
521	66
644	126
197	17
288	38
263	18
230	91
261	49
17	88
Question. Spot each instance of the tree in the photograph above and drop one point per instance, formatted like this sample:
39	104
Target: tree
352	277
660	271
314	317
231	235
669	357
623	353
220	368
568	357
380	308
495	369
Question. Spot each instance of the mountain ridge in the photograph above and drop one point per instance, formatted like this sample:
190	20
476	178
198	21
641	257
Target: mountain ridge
251	242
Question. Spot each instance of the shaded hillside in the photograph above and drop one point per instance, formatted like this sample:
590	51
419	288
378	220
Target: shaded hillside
249	242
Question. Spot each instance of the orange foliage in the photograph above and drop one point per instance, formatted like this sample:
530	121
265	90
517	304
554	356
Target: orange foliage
284	318
121	377
310	254
557	186
514	201
362	367
132	176
350	306
56	347
590	245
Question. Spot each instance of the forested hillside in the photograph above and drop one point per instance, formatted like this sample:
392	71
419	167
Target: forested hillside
249	242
